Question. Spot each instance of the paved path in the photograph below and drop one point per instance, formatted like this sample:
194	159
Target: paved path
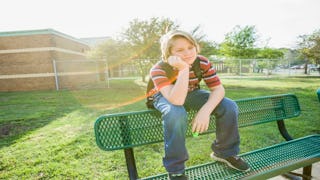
315	174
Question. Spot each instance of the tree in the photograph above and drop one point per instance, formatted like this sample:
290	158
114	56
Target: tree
309	47
291	57
207	48
112	51
269	58
269	53
240	42
143	38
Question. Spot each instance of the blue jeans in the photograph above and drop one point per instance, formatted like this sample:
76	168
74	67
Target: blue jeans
175	122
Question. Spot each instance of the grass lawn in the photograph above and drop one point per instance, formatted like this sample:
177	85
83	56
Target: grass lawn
49	134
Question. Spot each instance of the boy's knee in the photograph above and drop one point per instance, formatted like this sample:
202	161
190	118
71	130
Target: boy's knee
228	106
176	114
233	105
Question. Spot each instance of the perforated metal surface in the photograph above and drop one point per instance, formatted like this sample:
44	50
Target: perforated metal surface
266	109
264	163
119	131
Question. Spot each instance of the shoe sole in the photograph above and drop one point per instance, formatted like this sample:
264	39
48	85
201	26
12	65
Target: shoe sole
225	161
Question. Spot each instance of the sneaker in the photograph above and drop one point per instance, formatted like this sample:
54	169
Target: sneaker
234	162
178	177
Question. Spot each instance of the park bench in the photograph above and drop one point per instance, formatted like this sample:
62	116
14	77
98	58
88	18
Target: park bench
124	131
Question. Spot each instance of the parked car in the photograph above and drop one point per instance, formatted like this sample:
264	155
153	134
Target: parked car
296	67
312	67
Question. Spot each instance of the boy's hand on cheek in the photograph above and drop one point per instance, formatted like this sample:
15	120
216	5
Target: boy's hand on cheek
177	62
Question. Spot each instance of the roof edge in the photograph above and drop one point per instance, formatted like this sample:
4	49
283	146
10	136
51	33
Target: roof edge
40	31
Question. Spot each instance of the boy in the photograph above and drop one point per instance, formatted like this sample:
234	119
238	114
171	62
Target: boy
175	95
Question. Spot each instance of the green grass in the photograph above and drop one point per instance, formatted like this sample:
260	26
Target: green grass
49	134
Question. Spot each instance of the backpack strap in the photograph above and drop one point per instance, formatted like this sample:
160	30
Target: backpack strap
196	68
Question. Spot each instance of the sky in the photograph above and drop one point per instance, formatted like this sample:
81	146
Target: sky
278	22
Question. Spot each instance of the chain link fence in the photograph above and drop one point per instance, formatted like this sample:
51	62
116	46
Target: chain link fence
225	67
262	67
80	74
75	74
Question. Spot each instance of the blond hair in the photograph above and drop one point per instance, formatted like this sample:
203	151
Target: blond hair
166	42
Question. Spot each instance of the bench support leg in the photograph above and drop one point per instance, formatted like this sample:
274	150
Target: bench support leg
131	164
307	172
283	130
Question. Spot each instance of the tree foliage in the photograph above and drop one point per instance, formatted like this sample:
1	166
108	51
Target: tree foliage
240	42
269	58
207	48
139	44
269	53
112	50
309	46
142	37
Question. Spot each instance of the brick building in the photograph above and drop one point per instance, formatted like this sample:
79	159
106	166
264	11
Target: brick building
43	60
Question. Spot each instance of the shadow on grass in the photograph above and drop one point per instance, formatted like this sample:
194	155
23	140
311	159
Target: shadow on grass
23	112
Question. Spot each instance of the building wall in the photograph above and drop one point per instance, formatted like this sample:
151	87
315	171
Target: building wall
27	84
26	61
67	44
25	41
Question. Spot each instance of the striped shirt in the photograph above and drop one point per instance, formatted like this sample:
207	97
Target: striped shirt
160	78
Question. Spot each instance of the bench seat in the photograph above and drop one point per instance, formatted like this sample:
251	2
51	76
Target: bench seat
265	163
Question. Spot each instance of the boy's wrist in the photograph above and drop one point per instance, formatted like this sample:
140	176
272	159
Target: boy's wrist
183	68
207	108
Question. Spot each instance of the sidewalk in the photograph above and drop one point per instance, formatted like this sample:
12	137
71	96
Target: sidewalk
315	174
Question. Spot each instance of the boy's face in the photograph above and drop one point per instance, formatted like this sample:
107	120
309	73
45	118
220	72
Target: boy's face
184	49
